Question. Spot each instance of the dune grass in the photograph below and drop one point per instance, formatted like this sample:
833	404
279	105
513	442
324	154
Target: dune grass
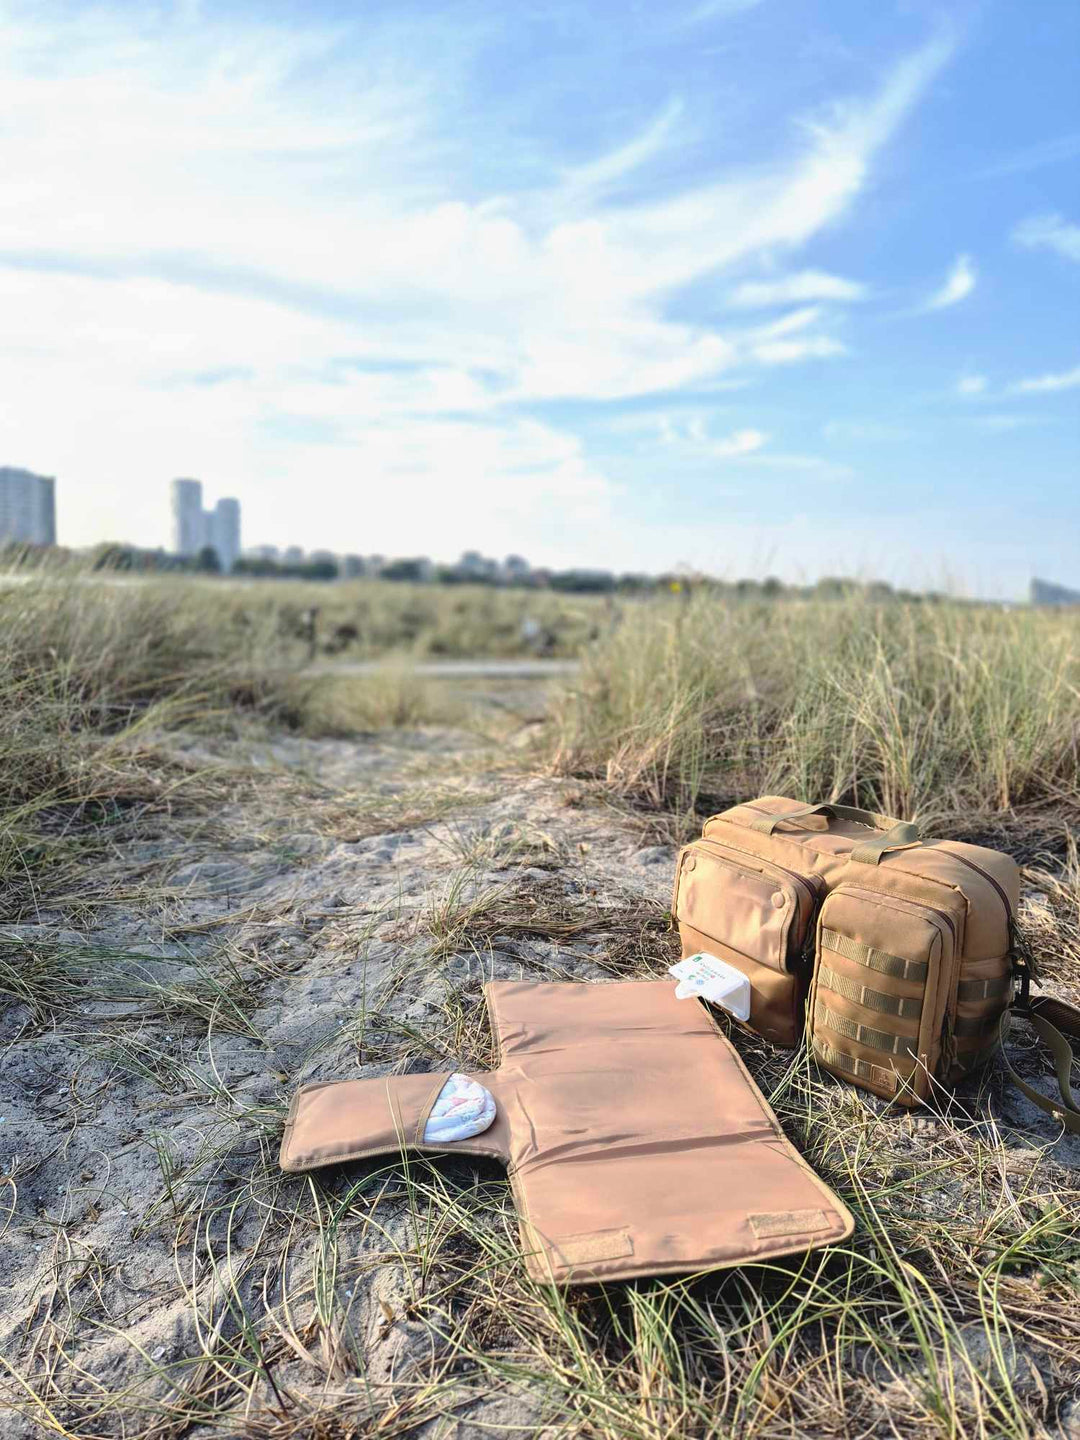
931	712
96	675
292	620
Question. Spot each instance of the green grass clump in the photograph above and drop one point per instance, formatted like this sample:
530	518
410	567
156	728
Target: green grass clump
924	711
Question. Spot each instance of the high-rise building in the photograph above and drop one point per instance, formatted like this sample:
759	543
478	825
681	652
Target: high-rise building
224	531
27	506
46	510
1044	592
193	528
188	519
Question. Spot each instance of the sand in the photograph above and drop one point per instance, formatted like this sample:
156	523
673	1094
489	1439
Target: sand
157	1274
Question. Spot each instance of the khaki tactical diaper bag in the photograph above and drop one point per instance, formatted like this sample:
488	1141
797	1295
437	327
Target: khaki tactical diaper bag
899	954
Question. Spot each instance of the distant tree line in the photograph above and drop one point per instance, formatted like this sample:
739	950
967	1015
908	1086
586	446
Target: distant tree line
131	559
276	569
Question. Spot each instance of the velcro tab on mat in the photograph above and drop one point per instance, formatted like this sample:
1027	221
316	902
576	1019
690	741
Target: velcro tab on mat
592	1245
787	1222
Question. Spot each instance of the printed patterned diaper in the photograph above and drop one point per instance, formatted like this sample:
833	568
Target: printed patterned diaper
463	1108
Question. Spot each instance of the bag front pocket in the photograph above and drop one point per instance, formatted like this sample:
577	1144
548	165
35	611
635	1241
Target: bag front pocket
756	916
880	992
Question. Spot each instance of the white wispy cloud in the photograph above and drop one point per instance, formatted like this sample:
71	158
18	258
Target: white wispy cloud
808	464
959	283
192	195
1049	232
875	432
773	344
717	9
594	179
1057	151
971	384
789	352
691	437
740	442
1049	384
798	289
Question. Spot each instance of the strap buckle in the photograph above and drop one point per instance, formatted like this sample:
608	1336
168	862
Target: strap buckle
1022	998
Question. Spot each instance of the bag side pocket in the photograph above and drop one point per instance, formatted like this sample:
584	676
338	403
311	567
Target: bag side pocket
982	997
756	916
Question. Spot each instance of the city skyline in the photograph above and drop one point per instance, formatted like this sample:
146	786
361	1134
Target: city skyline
28	516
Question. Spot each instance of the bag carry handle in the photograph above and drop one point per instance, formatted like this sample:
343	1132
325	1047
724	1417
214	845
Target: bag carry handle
1039	1012
902	834
899	833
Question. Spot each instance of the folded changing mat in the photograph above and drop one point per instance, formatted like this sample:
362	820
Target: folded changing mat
635	1141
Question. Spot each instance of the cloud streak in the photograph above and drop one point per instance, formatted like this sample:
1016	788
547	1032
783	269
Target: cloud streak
742	442
798	289
1049	384
1035	157
1049	232
959	283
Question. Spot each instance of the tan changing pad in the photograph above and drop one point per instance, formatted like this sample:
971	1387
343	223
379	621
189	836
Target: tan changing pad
635	1140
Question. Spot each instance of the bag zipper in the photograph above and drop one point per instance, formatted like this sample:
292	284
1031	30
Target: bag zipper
735	865
811	884
710	848
986	876
1020	952
888	900
971	864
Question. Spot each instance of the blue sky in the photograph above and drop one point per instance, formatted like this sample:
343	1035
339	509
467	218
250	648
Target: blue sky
744	285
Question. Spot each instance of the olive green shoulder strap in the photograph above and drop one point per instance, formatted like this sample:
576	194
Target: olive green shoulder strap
1052	1021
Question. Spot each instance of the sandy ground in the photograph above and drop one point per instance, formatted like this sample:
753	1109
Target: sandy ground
319	941
145	1217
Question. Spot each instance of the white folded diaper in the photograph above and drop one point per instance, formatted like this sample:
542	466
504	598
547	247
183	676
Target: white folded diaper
714	980
463	1108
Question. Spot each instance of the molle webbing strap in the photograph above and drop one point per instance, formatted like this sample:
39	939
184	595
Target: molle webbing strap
905	1008
984	989
879	960
863	1034
838	1060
